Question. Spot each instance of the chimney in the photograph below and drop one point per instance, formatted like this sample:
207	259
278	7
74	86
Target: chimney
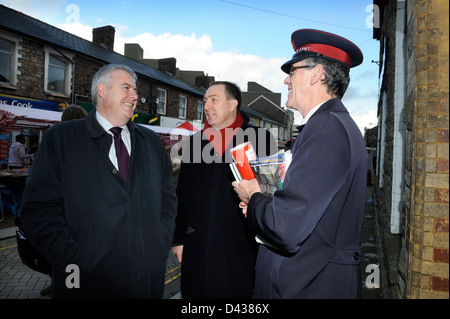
204	81
134	51
168	65
104	36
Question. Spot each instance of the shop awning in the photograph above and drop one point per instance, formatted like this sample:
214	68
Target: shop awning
28	117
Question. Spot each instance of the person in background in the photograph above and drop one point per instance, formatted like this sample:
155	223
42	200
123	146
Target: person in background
313	226
18	154
18	158
100	204
73	112
212	241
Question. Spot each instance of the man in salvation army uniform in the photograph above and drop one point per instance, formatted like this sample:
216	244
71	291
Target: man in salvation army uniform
313	226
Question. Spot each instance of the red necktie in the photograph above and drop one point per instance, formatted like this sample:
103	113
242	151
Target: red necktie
123	158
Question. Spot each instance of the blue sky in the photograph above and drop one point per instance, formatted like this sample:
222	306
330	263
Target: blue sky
236	40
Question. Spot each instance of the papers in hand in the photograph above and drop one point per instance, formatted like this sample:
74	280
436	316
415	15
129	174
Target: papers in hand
269	172
240	157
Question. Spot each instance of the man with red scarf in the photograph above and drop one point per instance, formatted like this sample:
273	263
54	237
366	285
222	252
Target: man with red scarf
212	240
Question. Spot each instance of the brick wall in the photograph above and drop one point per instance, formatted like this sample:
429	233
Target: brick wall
427	231
173	103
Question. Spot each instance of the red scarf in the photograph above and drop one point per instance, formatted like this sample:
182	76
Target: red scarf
221	143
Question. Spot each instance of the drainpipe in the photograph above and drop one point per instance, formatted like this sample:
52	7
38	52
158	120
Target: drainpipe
381	149
398	184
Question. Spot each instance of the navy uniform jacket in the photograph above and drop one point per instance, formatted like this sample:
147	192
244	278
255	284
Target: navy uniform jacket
316	220
77	209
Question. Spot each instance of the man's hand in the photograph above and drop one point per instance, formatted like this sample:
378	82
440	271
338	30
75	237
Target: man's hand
246	188
244	208
178	251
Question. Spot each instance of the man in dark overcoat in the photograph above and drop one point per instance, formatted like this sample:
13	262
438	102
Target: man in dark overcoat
106	229
212	241
313	226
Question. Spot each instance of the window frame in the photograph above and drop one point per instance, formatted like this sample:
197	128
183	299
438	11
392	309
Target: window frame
182	97
200	102
158	101
68	58
14	59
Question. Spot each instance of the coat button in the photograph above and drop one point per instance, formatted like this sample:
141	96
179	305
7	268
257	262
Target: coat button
356	256
115	172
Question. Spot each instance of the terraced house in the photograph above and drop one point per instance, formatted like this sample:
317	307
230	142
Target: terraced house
41	62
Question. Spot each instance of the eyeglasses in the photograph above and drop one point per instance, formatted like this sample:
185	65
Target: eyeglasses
299	67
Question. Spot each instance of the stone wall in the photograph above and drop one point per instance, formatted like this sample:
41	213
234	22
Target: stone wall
416	262
426	117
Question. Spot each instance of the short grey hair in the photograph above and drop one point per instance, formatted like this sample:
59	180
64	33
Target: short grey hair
337	76
104	76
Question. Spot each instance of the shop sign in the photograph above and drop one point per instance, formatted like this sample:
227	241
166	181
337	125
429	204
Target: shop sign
31	103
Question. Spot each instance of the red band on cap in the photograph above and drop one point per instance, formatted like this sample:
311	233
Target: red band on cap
327	50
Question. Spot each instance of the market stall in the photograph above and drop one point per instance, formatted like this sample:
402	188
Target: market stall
15	120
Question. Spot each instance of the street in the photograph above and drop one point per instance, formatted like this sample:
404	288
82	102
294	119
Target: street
17	281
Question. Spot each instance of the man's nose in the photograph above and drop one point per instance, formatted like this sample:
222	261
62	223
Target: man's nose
287	80
133	94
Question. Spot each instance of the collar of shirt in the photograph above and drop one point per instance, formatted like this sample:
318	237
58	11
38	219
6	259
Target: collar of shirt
310	113
125	131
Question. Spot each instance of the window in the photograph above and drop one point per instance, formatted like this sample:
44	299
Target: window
199	110
9	55
183	107
161	101
5	60
58	72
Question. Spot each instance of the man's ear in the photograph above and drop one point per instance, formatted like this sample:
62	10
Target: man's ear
102	89
234	104
317	74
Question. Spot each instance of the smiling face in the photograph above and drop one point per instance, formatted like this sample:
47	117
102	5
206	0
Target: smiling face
117	98
220	111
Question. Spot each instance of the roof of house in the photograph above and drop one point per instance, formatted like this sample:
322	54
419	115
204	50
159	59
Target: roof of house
25	25
252	112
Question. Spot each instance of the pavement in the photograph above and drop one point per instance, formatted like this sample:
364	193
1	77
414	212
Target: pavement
17	281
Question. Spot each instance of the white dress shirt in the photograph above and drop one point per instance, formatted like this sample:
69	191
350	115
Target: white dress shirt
310	113
125	134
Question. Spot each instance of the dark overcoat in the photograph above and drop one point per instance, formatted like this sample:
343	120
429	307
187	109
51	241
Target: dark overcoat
219	251
316	220
78	210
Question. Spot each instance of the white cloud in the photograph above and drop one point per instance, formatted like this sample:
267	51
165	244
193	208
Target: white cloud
78	29
196	53
364	118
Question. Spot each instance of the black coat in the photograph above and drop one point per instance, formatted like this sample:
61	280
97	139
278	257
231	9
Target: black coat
78	210
219	250
316	220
